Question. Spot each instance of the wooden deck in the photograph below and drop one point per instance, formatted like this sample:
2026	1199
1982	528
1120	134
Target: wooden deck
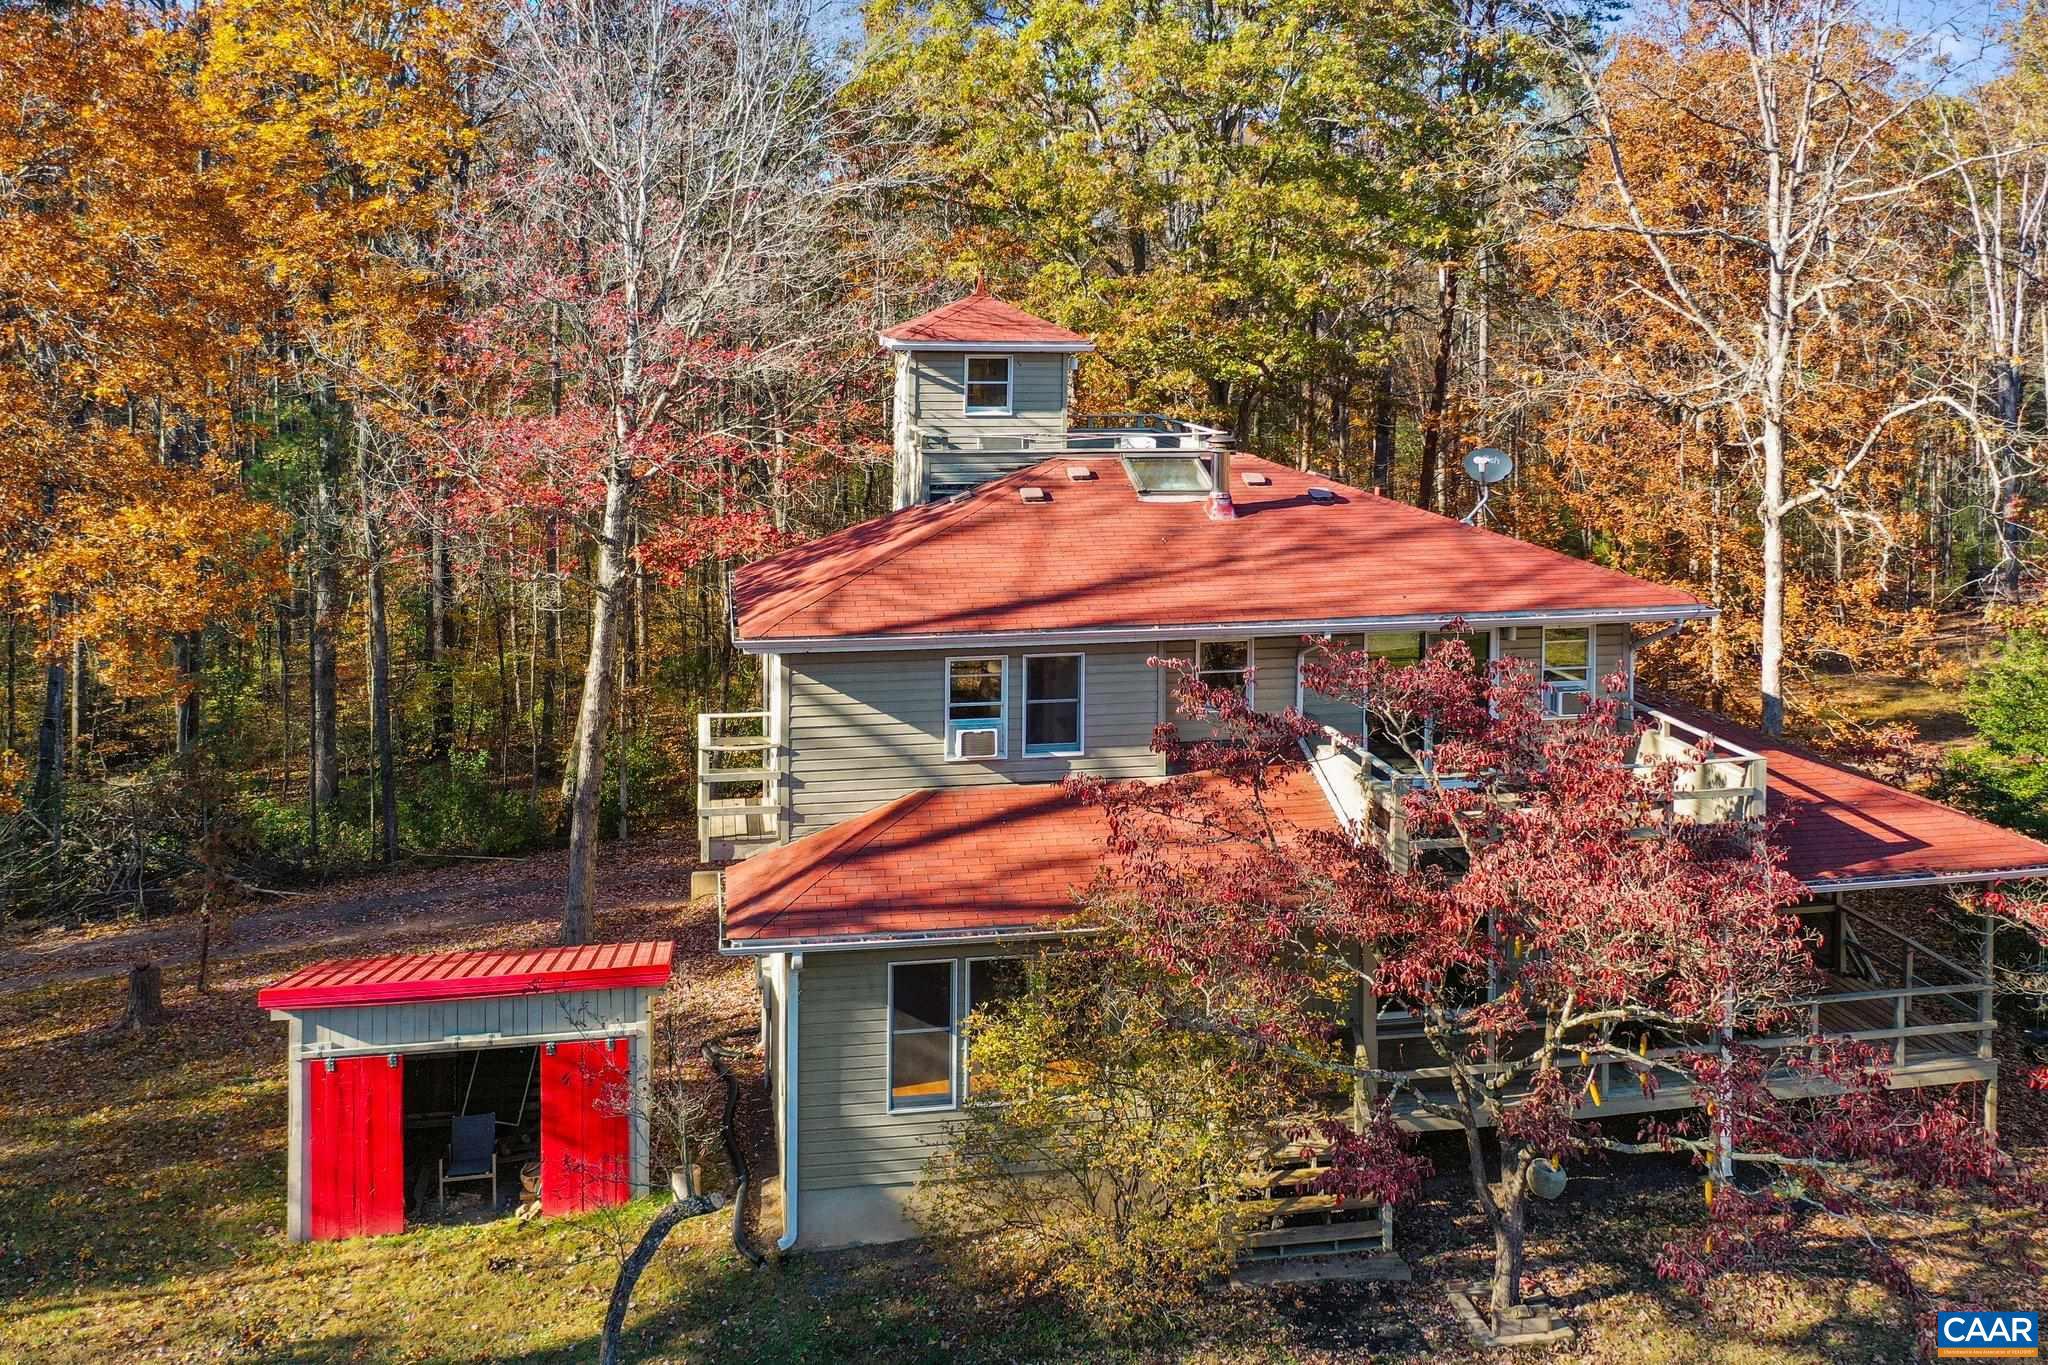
1932	1013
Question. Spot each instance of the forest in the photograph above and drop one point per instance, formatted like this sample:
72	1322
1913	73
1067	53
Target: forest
389	388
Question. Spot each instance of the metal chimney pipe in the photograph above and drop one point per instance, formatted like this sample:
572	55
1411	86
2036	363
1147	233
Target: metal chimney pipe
1220	506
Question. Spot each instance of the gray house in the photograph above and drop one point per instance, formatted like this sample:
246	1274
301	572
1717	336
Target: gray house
892	814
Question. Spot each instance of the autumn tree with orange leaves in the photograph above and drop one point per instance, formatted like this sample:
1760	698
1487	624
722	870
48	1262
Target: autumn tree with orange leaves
1748	337
129	321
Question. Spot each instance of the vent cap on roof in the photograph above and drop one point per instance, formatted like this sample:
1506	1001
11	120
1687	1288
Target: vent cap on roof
1322	495
1080	473
1254	479
1033	493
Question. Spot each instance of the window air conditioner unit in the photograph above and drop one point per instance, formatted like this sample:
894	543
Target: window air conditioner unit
976	739
1566	701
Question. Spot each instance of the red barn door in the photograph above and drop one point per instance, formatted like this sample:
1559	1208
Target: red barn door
355	1146
586	1138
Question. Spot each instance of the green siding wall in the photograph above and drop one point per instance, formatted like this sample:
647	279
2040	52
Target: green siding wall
846	1134
864	729
1036	425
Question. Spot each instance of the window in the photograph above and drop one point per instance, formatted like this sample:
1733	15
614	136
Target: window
977	696
1053	690
1567	669
990	981
1226	663
988	386
920	1035
1168	478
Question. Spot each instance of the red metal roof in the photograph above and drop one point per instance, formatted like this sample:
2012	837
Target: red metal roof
1096	557
959	859
980	319
1840	827
398	978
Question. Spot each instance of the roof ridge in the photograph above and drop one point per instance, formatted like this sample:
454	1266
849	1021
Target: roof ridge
828	862
973	503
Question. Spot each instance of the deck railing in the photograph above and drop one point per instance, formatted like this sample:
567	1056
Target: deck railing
1938	1032
1713	781
739	784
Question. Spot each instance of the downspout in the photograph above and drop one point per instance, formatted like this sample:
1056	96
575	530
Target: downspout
792	993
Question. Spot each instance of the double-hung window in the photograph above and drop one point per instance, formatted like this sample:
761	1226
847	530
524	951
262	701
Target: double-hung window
1054	687
1567	669
990	981
988	386
977	707
922	1074
1226	663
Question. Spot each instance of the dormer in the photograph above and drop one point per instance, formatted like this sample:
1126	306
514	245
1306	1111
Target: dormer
982	388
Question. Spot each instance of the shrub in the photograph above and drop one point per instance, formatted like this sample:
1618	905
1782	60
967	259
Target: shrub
2004	777
1101	1146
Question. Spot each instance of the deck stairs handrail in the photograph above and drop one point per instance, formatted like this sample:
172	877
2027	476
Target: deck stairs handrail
728	757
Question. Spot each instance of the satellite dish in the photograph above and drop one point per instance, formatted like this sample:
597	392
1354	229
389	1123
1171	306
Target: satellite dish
1488	465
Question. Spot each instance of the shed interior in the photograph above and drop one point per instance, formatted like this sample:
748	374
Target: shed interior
503	1082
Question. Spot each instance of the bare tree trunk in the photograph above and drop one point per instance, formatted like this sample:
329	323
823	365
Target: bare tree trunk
1435	413
49	785
145	1008
441	628
187	651
551	644
380	653
326	607
1384	432
592	716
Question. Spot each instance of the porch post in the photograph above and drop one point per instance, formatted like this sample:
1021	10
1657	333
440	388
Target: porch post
1986	1000
1365	1047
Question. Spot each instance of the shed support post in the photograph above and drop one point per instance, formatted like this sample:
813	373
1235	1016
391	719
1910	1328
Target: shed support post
295	1228
1987	1001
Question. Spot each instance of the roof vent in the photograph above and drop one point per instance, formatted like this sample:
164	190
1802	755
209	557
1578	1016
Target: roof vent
1080	473
1321	495
1033	493
1254	479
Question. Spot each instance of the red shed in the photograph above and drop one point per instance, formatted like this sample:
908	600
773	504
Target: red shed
388	1053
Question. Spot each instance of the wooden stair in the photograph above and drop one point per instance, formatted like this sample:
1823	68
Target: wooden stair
1287	1231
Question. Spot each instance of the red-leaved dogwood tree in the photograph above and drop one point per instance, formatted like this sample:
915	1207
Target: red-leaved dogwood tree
1564	921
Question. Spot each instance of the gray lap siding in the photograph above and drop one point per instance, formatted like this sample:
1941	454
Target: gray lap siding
864	729
846	1134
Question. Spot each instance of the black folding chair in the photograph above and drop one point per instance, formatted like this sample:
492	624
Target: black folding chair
472	1153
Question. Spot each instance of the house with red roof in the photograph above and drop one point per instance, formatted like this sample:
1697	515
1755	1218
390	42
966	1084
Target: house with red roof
892	818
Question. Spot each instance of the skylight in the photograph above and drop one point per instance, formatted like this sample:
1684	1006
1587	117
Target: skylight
1171	478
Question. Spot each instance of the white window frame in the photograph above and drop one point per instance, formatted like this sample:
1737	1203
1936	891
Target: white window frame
1251	662
952	1032
968	381
946	704
1080	700
1554	691
966	1006
1302	652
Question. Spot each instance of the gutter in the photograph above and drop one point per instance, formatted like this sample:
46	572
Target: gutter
938	938
1912	879
889	343
824	644
792	993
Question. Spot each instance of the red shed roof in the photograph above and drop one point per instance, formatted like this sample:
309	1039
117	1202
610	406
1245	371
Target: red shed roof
398	978
982	319
963	859
1842	828
1097	558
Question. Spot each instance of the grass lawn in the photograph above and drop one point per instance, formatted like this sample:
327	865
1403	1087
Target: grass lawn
142	1204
